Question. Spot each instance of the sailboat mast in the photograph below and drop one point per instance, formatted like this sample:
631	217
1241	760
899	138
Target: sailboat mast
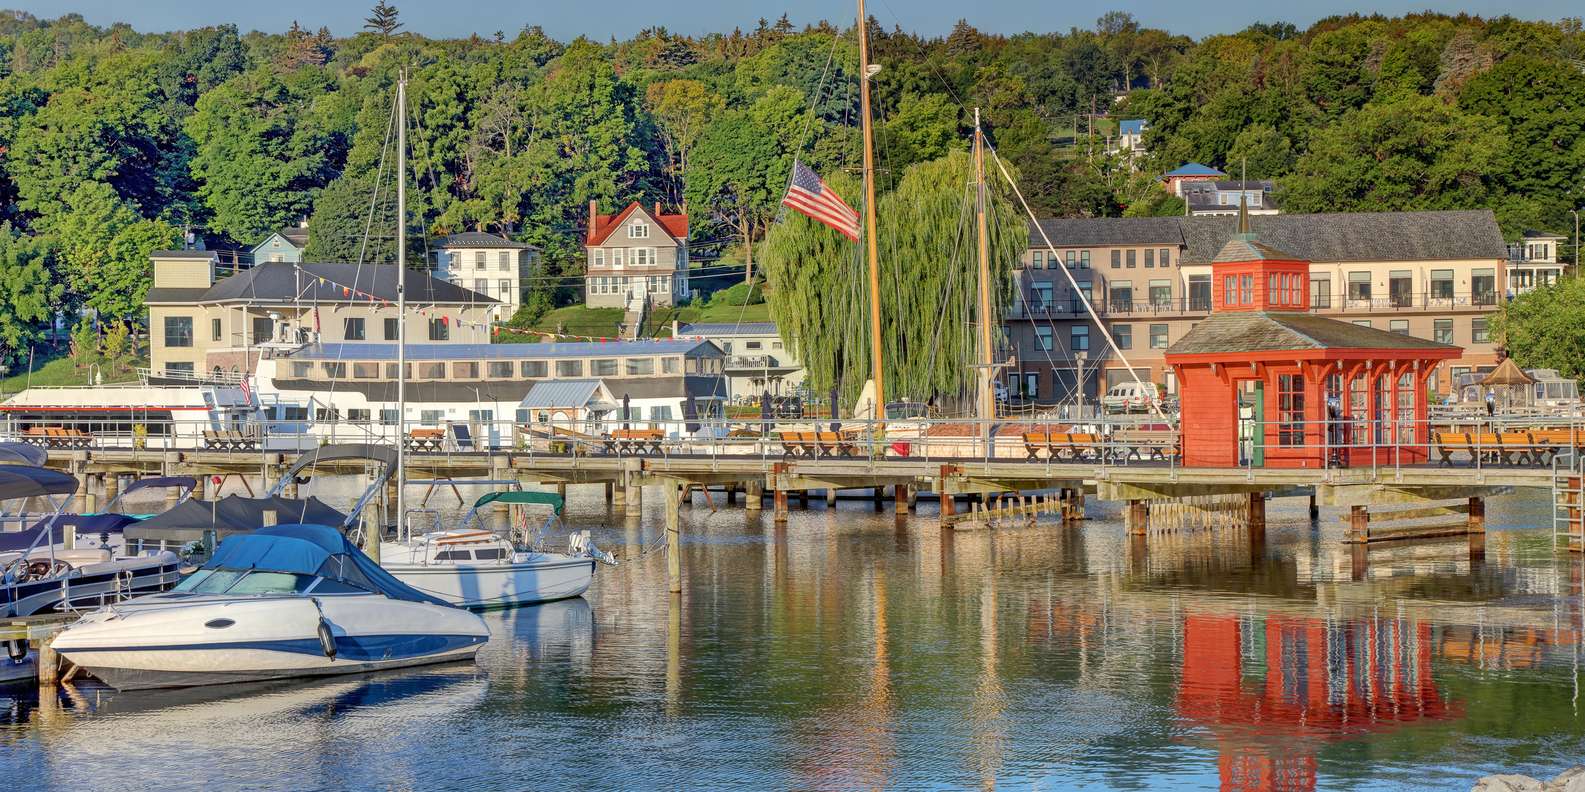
877	369
401	305
987	371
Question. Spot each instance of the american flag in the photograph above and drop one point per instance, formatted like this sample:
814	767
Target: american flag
247	390
808	194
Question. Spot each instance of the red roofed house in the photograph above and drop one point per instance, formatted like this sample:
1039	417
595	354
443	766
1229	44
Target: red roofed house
635	255
1264	382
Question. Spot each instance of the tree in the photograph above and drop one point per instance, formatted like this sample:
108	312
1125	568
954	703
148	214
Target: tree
260	159
683	108
743	162
1416	153
343	228
1545	328
1264	151
928	282
29	292
382	19
1541	105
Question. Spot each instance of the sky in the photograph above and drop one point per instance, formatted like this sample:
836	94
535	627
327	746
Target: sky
622	18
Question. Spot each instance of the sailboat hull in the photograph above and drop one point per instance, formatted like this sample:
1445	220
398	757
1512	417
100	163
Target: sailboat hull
487	586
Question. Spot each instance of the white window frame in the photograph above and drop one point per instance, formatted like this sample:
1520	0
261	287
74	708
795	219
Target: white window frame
638	229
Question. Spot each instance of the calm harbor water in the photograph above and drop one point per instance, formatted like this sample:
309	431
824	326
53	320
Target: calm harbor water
844	652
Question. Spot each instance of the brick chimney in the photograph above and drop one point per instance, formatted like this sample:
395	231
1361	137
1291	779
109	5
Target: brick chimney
657	210
594	215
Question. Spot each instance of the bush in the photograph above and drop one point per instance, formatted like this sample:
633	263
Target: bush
739	295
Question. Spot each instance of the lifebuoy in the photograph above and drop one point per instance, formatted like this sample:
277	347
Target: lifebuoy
327	641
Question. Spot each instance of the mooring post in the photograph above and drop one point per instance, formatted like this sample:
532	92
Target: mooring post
673	537
1358	524
1138	517
948	503
632	494
561	490
831	497
112	484
878	497
779	500
610	492
754	496
731	493
49	664
1477	515
803	499
900	502
913	497
1257	515
1315	509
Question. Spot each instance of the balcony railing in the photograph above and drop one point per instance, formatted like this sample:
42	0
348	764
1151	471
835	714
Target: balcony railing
755	362
1029	309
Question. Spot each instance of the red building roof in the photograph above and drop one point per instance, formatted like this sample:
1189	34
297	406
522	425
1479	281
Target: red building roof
601	226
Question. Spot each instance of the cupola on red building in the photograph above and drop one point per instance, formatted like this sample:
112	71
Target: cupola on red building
1263	382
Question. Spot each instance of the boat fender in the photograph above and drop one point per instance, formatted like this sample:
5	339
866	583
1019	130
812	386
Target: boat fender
17	649
327	641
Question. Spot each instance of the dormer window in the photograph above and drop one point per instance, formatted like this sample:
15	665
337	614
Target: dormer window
638	230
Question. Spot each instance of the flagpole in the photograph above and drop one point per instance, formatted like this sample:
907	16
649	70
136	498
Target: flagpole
877	369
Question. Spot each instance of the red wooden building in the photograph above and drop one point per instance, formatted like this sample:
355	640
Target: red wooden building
1264	382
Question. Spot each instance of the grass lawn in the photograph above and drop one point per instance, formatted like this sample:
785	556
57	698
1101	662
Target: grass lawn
53	371
604	322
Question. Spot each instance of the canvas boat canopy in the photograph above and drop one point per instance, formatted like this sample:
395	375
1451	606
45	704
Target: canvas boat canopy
317	550
23	454
231	515
21	541
20	481
550	499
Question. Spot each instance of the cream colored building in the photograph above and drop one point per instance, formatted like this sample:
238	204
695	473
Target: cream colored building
1434	275
487	264
204	327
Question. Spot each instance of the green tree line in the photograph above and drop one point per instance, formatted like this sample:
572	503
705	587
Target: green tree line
115	142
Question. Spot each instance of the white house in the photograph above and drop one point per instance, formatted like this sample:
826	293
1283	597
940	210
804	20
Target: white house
489	264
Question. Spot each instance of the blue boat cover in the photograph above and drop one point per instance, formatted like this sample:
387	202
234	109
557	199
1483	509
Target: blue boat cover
18	541
185	483
312	550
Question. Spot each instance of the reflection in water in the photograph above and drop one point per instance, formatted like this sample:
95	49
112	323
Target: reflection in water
835	652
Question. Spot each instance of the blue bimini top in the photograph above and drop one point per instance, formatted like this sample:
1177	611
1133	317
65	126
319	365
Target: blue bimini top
312	550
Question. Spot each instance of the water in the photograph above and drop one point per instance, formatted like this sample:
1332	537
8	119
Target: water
842	652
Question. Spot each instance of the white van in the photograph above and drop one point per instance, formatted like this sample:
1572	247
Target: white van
1129	397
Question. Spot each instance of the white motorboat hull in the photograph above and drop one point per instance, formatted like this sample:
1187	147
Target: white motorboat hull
176	640
498	585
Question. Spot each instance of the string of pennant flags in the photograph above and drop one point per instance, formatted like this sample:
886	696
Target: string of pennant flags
448	320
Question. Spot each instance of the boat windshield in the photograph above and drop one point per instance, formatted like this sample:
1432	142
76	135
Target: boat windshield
243	581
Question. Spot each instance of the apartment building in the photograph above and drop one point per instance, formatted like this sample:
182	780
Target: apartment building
487	264
203	327
757	359
1533	261
1433	275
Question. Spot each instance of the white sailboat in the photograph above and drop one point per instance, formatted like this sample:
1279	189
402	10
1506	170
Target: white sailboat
466	567
473	567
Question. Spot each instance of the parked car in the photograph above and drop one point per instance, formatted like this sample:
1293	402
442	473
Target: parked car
1129	397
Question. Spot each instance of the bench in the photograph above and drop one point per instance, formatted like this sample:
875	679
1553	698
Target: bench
426	439
799	444
229	441
1059	445
1507	448
57	437
1144	444
634	441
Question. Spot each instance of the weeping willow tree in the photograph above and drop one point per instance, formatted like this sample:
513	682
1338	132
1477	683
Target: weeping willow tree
816	282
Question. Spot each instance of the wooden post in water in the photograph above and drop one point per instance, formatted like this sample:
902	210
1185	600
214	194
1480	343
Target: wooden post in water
673	538
779	505
1138	517
754	498
1257	516
49	665
900	502
1477	515
1315	510
633	495
878	497
1358	524
831	497
610	491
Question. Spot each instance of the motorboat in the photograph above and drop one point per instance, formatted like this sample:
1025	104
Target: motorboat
40	571
99	530
474	567
283	601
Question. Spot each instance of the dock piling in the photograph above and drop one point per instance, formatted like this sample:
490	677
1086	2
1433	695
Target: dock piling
673	537
49	664
754	497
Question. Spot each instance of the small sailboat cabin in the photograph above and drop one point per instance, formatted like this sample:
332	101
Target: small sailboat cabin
1265	383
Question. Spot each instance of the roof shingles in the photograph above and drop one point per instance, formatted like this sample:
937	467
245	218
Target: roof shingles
1262	331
